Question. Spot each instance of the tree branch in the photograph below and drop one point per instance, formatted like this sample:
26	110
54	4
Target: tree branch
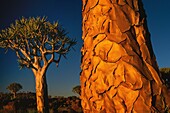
52	55
55	50
34	40
25	54
43	55
58	60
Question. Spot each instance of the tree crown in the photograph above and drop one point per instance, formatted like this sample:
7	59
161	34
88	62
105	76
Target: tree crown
36	41
77	89
14	87
165	70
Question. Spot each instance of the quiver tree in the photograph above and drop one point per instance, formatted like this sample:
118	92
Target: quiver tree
77	89
14	88
37	43
119	69
165	73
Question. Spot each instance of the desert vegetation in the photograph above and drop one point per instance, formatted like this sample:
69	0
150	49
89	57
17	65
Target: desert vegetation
119	71
37	43
14	88
25	102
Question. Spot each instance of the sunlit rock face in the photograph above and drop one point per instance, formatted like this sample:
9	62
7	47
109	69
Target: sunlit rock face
119	69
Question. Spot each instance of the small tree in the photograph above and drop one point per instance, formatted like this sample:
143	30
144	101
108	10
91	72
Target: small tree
37	43
165	72
77	89
14	88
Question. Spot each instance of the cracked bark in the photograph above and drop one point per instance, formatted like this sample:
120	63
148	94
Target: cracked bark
41	90
119	69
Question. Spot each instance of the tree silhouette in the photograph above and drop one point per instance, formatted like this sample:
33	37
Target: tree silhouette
14	88
165	72
37	43
77	89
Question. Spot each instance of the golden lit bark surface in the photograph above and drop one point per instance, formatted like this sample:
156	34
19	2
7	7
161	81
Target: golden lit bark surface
119	69
41	91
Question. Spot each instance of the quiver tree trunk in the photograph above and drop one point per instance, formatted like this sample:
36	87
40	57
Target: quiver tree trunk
14	95
41	92
119	69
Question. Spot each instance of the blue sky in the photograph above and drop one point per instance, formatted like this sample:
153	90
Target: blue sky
61	80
